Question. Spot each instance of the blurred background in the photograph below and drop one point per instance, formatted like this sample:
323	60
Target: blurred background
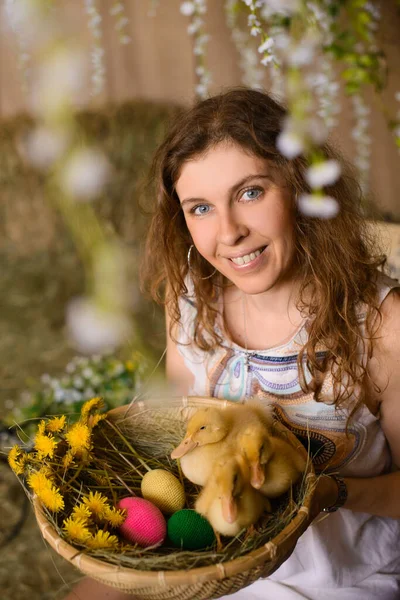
87	89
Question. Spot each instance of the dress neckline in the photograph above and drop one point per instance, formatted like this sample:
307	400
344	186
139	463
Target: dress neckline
219	325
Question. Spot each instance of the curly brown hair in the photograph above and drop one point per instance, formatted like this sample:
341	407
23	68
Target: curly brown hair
338	258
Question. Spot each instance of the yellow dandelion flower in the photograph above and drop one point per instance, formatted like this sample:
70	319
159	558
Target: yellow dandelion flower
102	539
17	459
47	493
76	529
47	472
52	498
38	481
68	459
56	424
90	406
45	445
129	365
78	437
96	503
41	427
115	517
80	511
95	419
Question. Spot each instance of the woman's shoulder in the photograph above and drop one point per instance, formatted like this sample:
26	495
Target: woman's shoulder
385	285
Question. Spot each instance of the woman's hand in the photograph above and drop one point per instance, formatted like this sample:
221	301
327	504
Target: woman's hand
325	495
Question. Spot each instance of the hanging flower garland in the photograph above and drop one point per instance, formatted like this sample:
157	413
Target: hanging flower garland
196	9
252	73
118	11
97	53
297	34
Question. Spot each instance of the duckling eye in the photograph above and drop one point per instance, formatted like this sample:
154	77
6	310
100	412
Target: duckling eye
203	427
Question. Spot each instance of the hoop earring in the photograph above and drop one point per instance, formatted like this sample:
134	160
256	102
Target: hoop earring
190	268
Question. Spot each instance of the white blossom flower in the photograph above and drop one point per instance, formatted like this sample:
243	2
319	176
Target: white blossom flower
201	90
58	82
267	59
321	207
78	382
59	394
92	329
89	393
290	143
301	55
43	146
85	174
87	373
323	173
117	9
283	7
187	8
266	46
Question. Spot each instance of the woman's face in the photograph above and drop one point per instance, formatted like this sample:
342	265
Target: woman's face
240	221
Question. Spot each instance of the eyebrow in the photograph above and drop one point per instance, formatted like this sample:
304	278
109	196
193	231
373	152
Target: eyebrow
232	189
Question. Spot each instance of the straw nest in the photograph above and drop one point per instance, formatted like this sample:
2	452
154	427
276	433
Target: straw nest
138	438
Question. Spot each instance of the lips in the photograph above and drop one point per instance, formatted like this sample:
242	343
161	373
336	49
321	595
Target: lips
246	258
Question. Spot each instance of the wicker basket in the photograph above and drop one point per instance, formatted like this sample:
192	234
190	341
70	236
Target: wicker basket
203	583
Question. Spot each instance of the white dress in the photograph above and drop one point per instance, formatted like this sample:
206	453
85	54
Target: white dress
345	555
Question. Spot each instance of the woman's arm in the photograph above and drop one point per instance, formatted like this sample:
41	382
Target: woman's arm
177	372
378	495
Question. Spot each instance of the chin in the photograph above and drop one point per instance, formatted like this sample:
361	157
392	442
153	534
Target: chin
252	288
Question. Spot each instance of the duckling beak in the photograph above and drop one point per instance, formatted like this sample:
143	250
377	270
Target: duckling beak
186	445
229	508
257	475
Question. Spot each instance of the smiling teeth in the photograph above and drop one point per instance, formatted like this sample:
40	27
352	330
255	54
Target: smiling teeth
242	260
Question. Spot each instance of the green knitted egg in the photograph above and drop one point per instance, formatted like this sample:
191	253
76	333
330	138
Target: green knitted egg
189	530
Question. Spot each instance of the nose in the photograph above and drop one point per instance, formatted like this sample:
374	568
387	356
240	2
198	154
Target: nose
231	229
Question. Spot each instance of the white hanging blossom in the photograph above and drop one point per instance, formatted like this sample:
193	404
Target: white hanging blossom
118	10
252	74
321	207
362	139
196	9
85	174
58	83
92	329
97	53
280	7
322	174
43	146
290	143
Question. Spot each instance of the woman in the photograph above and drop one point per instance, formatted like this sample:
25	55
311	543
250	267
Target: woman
264	301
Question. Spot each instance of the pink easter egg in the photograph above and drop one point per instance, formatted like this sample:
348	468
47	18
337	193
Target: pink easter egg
144	524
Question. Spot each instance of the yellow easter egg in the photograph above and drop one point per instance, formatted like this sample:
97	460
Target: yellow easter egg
164	490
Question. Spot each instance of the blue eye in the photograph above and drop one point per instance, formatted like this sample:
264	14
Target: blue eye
200	209
252	193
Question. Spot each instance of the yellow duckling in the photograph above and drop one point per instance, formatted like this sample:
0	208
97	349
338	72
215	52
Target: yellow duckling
275	464
206	437
228	500
210	432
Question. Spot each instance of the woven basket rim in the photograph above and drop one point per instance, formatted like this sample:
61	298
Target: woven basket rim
138	578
